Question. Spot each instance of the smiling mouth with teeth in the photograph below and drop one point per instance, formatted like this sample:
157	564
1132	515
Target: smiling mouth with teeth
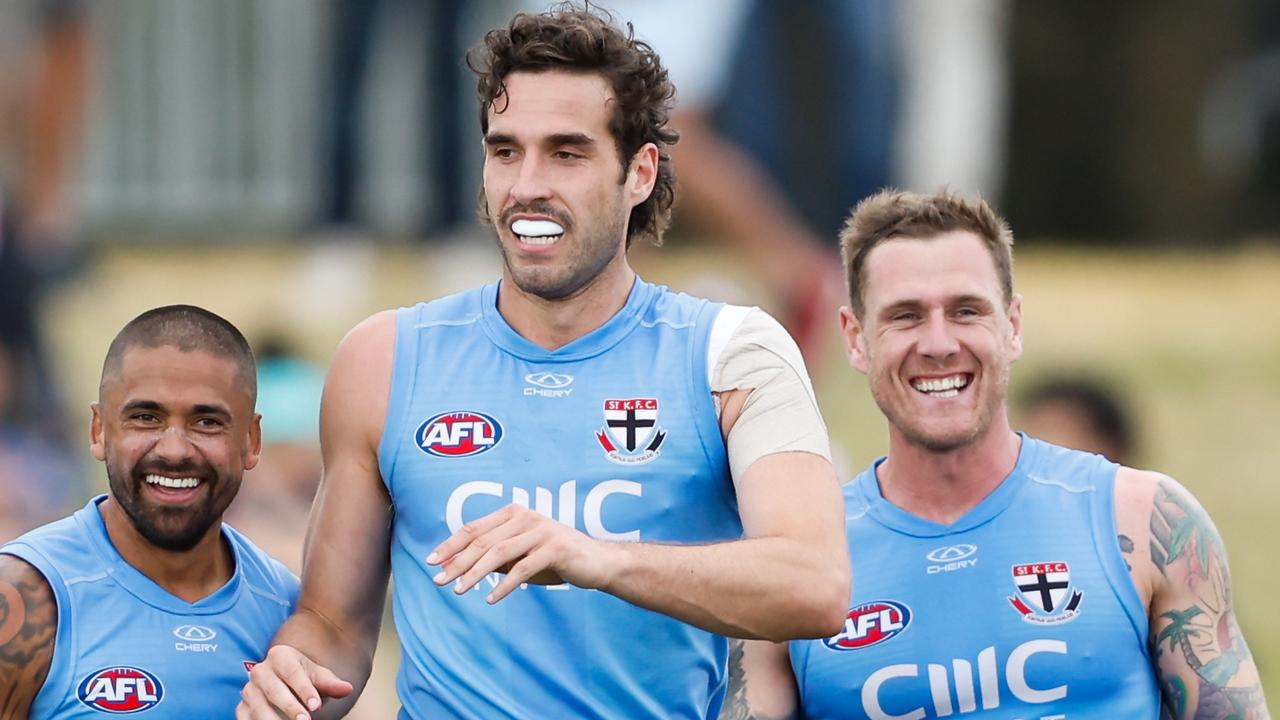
172	483
947	387
537	232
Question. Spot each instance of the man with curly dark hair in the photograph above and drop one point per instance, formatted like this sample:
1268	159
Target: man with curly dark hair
583	482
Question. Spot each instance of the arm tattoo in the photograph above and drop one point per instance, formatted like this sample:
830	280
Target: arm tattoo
28	622
1187	549
1126	547
736	706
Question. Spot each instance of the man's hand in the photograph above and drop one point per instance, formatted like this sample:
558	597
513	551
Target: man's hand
528	546
288	683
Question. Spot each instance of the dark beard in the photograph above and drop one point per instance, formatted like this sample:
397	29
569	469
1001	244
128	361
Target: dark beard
171	529
593	254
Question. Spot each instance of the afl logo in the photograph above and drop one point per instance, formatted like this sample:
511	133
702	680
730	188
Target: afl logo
120	690
871	624
460	433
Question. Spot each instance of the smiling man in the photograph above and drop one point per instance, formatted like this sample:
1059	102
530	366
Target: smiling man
998	575
143	600
580	550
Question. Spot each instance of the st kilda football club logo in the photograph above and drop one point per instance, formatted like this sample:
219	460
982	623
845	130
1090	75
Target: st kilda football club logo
631	434
1045	595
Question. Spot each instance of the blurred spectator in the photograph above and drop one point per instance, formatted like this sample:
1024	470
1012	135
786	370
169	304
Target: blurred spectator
42	68
38	479
1079	413
367	38
32	397
43	46
353	40
768	164
1240	125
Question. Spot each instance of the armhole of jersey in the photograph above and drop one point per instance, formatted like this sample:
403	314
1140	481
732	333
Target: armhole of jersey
399	393
711	316
798	656
1105	531
59	682
262	574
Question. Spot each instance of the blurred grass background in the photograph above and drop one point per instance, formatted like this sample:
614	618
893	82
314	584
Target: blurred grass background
1192	338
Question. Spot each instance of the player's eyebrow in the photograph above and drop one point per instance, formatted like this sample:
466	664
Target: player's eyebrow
895	307
575	139
153	406
571	138
136	405
977	300
205	409
499	139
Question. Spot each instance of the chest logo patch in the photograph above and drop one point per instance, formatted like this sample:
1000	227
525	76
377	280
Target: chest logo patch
871	624
120	690
548	384
195	638
1045	595
458	433
950	558
631	434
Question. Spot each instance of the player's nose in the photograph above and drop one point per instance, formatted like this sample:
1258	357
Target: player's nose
531	182
173	446
937	340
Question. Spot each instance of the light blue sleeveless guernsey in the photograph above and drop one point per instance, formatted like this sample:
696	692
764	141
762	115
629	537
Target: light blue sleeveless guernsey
1023	608
126	646
614	434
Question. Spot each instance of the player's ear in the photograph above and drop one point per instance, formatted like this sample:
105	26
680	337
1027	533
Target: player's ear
1015	328
642	174
97	446
854	340
253	443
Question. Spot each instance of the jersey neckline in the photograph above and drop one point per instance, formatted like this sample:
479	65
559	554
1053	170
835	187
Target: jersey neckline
593	343
867	488
144	588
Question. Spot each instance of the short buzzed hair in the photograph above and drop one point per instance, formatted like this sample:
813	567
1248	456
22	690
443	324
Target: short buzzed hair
893	213
187	328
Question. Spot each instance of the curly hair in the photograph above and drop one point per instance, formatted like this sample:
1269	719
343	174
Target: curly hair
893	213
587	40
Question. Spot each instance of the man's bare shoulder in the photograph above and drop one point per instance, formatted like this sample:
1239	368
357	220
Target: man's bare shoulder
372	338
28	627
359	380
1135	490
1142	495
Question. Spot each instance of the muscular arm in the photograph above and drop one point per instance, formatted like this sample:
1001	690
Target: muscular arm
787	578
1204	667
28	624
346	558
